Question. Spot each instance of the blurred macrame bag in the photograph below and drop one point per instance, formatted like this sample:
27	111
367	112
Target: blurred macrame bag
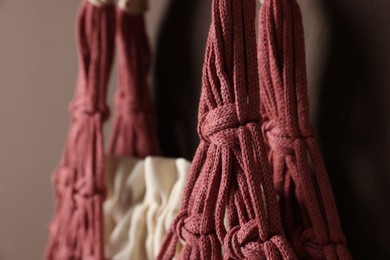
141	191
228	207
143	195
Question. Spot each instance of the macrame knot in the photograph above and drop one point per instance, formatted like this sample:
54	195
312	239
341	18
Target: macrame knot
279	138
87	189
306	245
86	107
63	178
220	126
191	229
64	181
244	242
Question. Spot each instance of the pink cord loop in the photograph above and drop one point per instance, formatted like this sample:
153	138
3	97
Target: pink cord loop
307	246
191	230
242	242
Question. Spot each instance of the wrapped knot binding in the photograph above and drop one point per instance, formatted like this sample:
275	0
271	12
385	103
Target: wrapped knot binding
230	174
309	210
239	245
76	231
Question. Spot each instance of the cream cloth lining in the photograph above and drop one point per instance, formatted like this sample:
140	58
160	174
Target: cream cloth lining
143	198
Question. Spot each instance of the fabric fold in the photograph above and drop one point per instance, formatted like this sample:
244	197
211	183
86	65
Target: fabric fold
145	198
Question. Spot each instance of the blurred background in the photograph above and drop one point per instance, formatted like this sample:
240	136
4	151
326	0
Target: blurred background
348	57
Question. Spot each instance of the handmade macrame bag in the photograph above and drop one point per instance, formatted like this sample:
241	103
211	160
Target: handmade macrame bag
257	187
141	195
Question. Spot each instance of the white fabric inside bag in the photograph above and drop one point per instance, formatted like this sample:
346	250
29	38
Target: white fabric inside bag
143	197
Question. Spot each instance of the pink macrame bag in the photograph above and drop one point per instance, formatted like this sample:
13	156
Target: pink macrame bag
246	197
141	196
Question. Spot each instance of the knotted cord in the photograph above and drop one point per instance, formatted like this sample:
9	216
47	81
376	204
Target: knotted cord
308	206
133	132
230	172
76	231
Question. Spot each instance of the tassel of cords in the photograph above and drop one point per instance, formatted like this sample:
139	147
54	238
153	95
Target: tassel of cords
133	132
76	231
308	206
230	171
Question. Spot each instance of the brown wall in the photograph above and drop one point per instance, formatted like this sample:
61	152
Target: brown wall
348	68
37	71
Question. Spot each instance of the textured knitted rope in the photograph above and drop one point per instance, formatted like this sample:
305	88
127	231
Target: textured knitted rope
230	171
76	231
133	132
308	207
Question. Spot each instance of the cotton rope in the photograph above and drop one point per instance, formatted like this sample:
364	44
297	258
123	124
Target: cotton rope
76	230
230	171
133	132
308	206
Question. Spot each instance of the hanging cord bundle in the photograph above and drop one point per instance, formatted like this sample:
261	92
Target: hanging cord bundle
308	206
133	131
230	170
76	231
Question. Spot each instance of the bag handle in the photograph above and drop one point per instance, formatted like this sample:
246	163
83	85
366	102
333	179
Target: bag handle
308	206
76	231
230	170
133	132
